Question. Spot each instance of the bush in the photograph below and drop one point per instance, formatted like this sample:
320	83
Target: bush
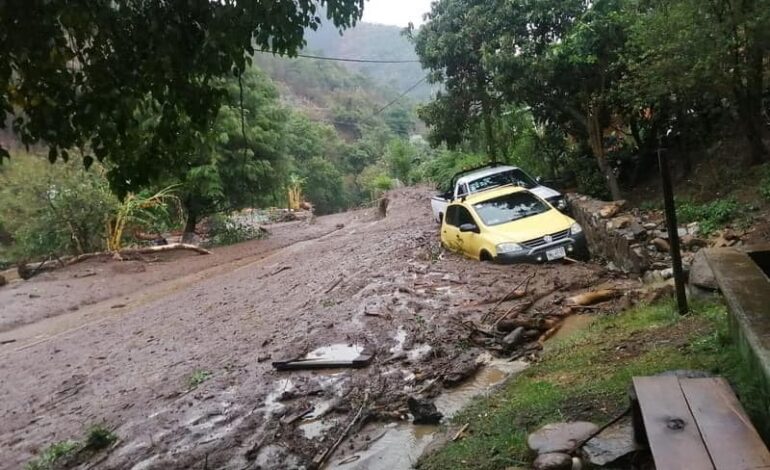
764	184
711	216
54	209
225	230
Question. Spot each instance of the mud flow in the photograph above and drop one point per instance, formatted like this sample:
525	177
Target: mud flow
175	353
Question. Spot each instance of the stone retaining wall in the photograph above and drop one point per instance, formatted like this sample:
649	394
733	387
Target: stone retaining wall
616	237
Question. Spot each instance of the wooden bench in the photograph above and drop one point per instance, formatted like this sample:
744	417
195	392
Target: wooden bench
695	424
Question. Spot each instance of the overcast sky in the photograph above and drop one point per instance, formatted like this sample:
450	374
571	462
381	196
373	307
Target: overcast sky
395	12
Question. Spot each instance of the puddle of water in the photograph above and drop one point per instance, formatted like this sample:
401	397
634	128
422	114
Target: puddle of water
336	352
403	444
271	401
316	428
570	326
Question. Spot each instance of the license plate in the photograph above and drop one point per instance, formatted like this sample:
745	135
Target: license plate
556	253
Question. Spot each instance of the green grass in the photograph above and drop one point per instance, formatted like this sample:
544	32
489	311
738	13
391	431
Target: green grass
52	455
60	454
586	377
713	215
197	378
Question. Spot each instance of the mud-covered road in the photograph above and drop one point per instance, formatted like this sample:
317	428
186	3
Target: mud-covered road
174	354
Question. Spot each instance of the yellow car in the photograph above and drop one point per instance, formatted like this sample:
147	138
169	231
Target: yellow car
511	225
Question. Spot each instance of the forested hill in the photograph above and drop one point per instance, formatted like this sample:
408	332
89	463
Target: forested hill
378	42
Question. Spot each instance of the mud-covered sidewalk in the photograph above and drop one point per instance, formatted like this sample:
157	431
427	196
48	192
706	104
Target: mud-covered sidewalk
175	354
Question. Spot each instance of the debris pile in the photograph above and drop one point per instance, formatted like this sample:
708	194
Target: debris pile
636	241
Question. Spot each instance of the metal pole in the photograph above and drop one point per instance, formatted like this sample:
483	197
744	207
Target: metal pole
673	230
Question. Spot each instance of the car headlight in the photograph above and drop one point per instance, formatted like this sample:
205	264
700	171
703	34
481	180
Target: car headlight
575	229
509	248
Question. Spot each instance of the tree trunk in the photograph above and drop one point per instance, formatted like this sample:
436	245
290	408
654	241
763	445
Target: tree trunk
749	99
596	141
189	229
486	110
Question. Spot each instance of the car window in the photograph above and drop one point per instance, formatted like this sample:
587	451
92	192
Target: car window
462	190
451	216
514	206
515	177
464	216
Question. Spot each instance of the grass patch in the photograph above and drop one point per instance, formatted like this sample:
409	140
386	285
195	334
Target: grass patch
713	215
586	377
197	378
70	453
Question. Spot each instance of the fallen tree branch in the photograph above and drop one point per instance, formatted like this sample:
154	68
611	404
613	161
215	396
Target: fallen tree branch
320	460
512	295
593	297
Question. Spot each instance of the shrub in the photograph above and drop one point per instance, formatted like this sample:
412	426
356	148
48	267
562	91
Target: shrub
224	230
54	209
711	216
53	455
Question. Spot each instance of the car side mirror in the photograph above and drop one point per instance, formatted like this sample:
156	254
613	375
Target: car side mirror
469	228
539	180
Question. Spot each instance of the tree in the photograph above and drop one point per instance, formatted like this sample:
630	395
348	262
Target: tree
450	45
74	74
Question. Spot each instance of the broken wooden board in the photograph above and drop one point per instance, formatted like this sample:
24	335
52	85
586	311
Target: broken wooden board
330	357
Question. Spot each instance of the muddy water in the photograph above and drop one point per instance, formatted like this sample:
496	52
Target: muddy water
397	446
570	326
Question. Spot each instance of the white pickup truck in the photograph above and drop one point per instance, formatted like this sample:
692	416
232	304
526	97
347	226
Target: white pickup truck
482	179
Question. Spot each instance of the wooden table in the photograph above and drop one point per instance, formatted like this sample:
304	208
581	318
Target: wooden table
696	424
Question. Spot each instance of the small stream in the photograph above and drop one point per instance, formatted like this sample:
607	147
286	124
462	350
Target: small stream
397	446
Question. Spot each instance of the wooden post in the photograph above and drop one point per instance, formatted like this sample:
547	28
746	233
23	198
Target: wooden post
673	229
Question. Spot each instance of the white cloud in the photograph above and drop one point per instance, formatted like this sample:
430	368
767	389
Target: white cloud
395	12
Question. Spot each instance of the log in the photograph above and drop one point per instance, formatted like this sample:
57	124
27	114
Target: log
541	324
594	297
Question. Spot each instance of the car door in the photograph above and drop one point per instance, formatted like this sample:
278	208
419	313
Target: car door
450	231
469	241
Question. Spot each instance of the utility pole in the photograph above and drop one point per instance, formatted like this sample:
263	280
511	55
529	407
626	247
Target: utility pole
672	227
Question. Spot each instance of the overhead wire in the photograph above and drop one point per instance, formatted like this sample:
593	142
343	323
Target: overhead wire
347	59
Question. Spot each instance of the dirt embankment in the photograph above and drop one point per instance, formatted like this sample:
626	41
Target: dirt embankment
120	346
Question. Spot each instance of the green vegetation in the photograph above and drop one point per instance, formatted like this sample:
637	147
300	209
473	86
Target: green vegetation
59	454
197	378
53	209
52	455
99	437
228	231
586	377
589	89
711	216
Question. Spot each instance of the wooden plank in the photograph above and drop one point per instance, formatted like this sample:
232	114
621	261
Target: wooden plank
673	436
730	438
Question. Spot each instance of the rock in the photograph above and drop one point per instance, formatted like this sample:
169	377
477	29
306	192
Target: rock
692	243
611	210
661	245
461	368
681	232
658	292
3	281
514	338
611	445
560	437
650	226
701	274
424	411
553	461
693	229
621	222
637	230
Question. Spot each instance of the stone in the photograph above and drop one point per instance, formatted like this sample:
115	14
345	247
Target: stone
681	232
611	445
661	245
553	461
650	226
693	229
461	368
622	222
514	338
424	411
611	210
637	229
560	437
692	242
701	274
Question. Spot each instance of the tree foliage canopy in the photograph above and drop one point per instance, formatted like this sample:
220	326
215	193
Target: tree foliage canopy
74	74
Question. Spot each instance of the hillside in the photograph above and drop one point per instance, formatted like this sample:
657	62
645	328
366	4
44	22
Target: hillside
378	42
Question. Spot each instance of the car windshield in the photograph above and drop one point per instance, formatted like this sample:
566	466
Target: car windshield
515	177
514	206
